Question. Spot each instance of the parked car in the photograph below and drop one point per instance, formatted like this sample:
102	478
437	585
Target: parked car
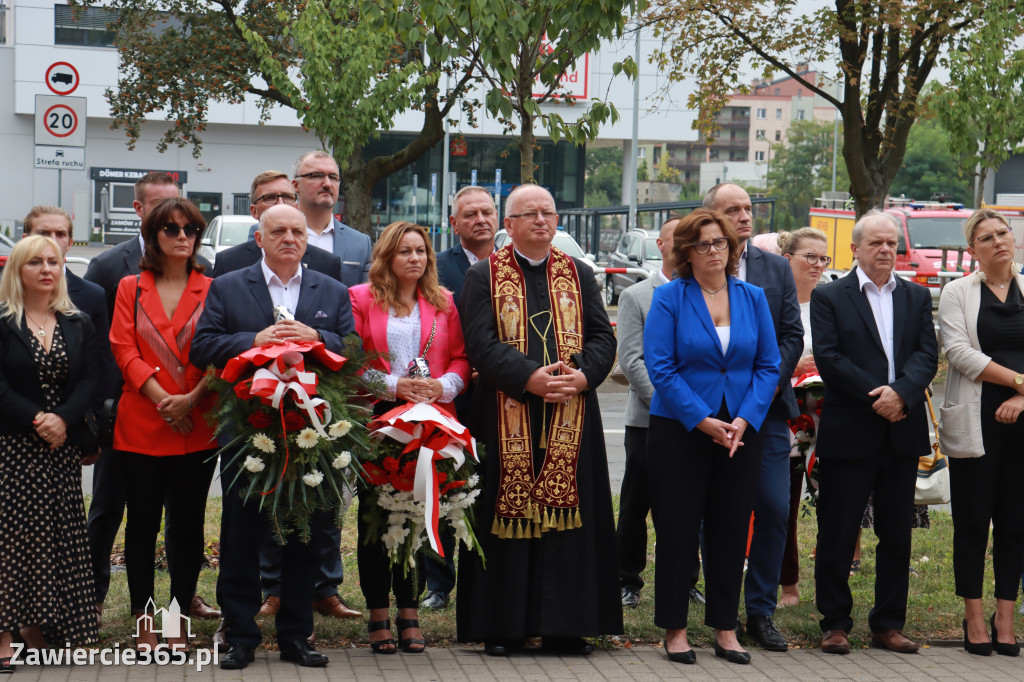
223	232
636	249
563	240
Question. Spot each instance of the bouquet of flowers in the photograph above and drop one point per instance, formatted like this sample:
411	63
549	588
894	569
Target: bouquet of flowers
295	428
421	480
810	391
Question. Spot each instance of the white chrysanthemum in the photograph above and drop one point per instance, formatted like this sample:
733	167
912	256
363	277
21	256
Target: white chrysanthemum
339	428
473	481
263	443
313	478
307	438
254	464
342	460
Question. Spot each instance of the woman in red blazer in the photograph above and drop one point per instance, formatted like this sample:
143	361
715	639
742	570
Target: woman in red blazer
168	446
404	314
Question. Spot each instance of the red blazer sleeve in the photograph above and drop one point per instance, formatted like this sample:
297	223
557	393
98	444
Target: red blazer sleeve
449	348
123	340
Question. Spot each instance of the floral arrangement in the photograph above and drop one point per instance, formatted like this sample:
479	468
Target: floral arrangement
810	391
297	427
422	480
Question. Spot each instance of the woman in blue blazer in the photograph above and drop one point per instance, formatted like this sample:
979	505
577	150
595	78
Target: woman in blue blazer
713	359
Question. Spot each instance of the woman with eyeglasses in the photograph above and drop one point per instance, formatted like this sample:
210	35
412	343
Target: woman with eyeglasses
713	359
161	429
981	317
806	250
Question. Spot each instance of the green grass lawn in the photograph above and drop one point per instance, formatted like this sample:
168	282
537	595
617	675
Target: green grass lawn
934	612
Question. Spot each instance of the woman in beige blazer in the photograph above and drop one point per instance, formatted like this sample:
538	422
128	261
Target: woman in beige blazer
981	317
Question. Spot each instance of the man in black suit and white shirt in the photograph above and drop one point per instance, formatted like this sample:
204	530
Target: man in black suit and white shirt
875	348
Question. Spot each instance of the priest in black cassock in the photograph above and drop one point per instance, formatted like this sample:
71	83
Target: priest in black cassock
537	333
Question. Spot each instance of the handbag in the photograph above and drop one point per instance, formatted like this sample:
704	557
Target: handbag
108	413
932	470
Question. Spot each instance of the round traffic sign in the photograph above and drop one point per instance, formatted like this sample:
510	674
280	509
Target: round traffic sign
62	78
60	120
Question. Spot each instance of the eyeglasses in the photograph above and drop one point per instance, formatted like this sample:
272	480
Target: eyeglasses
532	215
813	259
702	248
173	231
317	175
987	238
274	197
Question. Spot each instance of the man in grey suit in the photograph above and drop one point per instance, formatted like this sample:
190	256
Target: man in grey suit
635	499
316	180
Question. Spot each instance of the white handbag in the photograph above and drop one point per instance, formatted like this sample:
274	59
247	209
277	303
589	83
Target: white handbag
932	471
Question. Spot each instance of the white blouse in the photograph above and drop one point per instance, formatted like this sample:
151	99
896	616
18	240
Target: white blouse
404	347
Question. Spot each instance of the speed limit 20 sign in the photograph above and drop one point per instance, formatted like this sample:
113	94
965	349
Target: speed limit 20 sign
60	121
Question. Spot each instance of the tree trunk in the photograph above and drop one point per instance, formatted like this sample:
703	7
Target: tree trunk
979	194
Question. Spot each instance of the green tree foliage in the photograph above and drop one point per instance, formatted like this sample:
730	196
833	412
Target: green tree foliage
929	167
980	108
603	185
525	48
885	51
801	170
347	68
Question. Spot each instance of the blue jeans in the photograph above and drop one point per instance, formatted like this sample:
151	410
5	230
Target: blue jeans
771	520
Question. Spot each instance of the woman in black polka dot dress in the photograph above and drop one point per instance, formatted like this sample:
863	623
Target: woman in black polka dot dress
47	382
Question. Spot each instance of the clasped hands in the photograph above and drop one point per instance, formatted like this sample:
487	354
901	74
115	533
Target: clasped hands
175	409
51	428
727	434
557	383
419	390
888	404
286	331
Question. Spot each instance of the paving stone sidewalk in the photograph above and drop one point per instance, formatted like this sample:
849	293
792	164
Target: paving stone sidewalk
639	663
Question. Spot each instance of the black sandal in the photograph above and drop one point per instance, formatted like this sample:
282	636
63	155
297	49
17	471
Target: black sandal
6	667
406	644
379	646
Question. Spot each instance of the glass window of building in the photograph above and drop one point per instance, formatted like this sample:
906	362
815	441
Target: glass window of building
90	28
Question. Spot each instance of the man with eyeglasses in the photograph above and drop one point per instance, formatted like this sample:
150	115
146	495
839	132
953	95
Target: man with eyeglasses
537	333
108	485
771	506
316	180
270	188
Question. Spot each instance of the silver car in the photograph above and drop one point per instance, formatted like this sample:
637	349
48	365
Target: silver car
223	232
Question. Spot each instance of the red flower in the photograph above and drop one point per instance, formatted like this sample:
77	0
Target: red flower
293	421
259	420
242	389
454	485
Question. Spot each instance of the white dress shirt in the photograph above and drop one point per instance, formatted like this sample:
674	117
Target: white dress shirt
880	301
324	240
283	293
470	256
742	268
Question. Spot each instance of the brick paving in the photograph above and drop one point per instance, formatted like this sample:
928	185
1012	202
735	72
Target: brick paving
639	663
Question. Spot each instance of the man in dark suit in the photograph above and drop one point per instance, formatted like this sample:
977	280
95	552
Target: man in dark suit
239	315
316	180
108	502
771	506
272	188
875	348
475	221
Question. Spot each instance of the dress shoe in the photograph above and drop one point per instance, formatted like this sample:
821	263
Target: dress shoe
687	657
336	607
220	637
436	600
302	653
1001	648
836	642
763	631
976	648
497	648
237	657
696	596
731	655
893	640
270	605
630	596
566	645
201	610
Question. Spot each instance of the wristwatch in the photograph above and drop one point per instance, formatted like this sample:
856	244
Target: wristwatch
1018	380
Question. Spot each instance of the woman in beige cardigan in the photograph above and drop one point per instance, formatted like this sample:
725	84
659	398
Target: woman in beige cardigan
981	317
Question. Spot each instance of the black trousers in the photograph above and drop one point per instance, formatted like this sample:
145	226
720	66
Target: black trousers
182	482
986	490
790	574
243	528
692	480
634	505
106	512
327	541
377	577
844	487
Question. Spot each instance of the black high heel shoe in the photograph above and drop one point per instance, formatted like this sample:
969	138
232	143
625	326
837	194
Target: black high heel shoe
731	655
687	657
976	648
406	644
382	646
1001	648
6	667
